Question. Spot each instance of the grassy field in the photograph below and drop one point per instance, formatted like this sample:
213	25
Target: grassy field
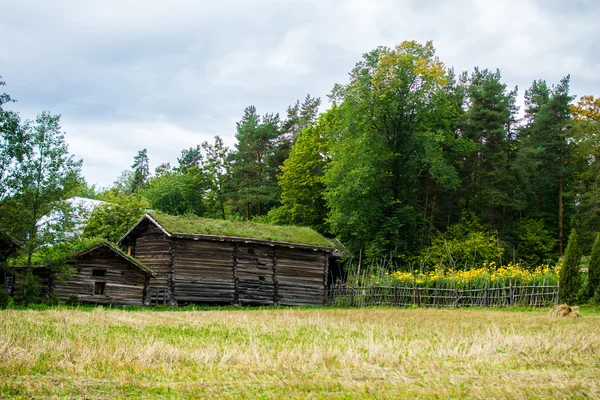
298	353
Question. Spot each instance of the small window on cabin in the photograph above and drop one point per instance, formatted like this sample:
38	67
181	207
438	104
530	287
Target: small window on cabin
99	288
99	273
250	251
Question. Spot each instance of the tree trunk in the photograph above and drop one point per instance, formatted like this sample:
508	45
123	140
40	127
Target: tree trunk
560	213
434	206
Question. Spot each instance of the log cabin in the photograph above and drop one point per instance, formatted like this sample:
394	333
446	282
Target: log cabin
97	273
198	260
105	275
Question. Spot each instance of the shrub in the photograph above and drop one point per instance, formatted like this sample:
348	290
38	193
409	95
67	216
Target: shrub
52	300
29	292
593	286
466	244
534	242
73	300
569	279
4	298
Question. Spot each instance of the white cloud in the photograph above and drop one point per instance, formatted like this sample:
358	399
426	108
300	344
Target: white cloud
128	75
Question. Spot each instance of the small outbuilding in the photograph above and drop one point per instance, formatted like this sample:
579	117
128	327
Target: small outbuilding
198	260
104	274
96	272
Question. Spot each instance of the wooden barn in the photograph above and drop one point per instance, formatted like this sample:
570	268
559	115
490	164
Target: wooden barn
199	260
101	274
105	275
8	246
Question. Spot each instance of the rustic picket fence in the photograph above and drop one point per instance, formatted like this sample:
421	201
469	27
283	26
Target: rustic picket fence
530	296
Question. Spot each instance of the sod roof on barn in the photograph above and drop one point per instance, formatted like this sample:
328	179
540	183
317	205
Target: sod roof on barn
215	229
66	252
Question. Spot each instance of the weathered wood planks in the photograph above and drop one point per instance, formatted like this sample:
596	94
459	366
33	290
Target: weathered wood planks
200	269
123	282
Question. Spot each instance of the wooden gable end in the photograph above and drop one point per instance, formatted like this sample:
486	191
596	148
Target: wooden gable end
104	277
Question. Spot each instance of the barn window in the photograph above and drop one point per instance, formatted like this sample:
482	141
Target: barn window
250	251
99	288
100	273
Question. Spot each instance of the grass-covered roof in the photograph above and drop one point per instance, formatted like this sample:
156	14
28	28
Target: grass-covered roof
62	253
185	225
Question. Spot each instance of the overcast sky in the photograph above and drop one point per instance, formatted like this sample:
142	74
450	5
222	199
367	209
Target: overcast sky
167	75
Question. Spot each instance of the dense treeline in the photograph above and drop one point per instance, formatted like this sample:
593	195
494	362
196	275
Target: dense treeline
411	159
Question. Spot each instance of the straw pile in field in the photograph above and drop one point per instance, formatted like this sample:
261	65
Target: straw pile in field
564	310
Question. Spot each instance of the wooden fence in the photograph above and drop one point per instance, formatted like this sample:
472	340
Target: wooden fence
531	296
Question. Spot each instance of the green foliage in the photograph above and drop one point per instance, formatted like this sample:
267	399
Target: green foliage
43	175
534	243
190	158
490	123
466	244
388	137
216	166
73	300
111	221
4	299
593	283
52	300
57	255
546	153
178	193
253	166
29	292
300	116
302	178
570	280
204	226
141	171
586	131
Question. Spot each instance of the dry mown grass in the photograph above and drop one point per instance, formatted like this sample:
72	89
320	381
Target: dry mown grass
272	353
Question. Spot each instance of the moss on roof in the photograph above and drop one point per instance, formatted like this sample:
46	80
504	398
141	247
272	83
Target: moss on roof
61	253
276	233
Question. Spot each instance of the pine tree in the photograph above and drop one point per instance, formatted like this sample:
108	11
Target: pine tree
141	171
593	285
570	282
253	169
490	123
547	145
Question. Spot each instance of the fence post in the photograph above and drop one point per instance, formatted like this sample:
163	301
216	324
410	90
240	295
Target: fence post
456	297
352	296
395	295
511	299
372	295
486	293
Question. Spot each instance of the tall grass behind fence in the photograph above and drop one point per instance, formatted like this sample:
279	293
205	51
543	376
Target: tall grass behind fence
361	296
382	283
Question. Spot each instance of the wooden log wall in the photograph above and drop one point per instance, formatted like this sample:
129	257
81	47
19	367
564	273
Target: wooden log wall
248	274
301	276
124	283
223	272
154	249
43	277
255	275
203	272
